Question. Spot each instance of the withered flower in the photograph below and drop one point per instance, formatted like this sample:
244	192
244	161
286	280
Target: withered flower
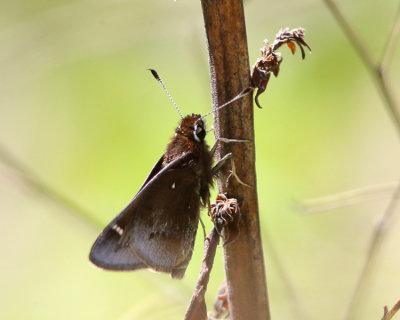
224	211
271	60
221	307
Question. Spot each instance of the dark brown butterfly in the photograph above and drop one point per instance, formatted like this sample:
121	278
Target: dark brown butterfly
157	229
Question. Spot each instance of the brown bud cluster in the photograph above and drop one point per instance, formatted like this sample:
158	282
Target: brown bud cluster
221	307
224	211
270	60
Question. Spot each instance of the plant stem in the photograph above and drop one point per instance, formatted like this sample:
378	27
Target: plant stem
230	74
38	185
197	307
391	42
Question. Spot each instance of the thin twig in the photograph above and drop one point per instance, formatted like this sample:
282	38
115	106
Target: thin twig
293	300
375	244
389	314
354	39
36	184
377	73
197	308
391	42
346	198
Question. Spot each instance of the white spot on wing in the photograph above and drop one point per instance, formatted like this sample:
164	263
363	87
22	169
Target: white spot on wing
118	229
173	186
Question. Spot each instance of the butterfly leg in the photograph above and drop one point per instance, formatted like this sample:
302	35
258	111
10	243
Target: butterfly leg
227	157
222	162
204	229
227	140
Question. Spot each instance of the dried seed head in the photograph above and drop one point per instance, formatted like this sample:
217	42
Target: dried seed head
271	60
224	211
221	306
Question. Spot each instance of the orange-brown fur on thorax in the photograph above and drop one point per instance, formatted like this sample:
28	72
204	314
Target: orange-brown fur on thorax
184	142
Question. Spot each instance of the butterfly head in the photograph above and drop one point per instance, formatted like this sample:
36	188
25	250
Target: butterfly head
194	127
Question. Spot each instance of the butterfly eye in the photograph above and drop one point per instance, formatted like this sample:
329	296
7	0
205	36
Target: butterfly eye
199	132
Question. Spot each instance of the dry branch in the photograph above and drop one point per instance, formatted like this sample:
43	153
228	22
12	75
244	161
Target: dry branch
387	315
197	308
229	71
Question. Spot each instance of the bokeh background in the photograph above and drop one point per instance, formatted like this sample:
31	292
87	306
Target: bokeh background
82	121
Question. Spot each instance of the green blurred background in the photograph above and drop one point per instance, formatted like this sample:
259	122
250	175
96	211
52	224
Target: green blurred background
81	113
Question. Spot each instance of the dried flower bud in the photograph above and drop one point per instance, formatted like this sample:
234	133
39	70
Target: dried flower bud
224	211
221	307
271	60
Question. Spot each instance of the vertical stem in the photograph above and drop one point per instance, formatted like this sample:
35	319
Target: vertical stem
230	74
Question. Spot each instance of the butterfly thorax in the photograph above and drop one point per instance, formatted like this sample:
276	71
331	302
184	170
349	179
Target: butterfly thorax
189	139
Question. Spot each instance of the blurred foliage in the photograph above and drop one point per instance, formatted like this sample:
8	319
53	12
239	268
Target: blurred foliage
79	109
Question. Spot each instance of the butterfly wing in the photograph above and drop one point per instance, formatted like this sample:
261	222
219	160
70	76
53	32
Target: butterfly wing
107	252
158	228
165	223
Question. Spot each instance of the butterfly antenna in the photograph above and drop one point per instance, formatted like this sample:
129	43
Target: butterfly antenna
155	75
240	95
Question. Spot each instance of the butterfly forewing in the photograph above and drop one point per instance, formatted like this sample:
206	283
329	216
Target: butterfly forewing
144	235
108	252
162	241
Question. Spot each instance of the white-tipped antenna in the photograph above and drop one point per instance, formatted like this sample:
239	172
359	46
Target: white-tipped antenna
155	75
240	95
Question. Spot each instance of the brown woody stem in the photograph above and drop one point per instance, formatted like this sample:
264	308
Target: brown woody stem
230	74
